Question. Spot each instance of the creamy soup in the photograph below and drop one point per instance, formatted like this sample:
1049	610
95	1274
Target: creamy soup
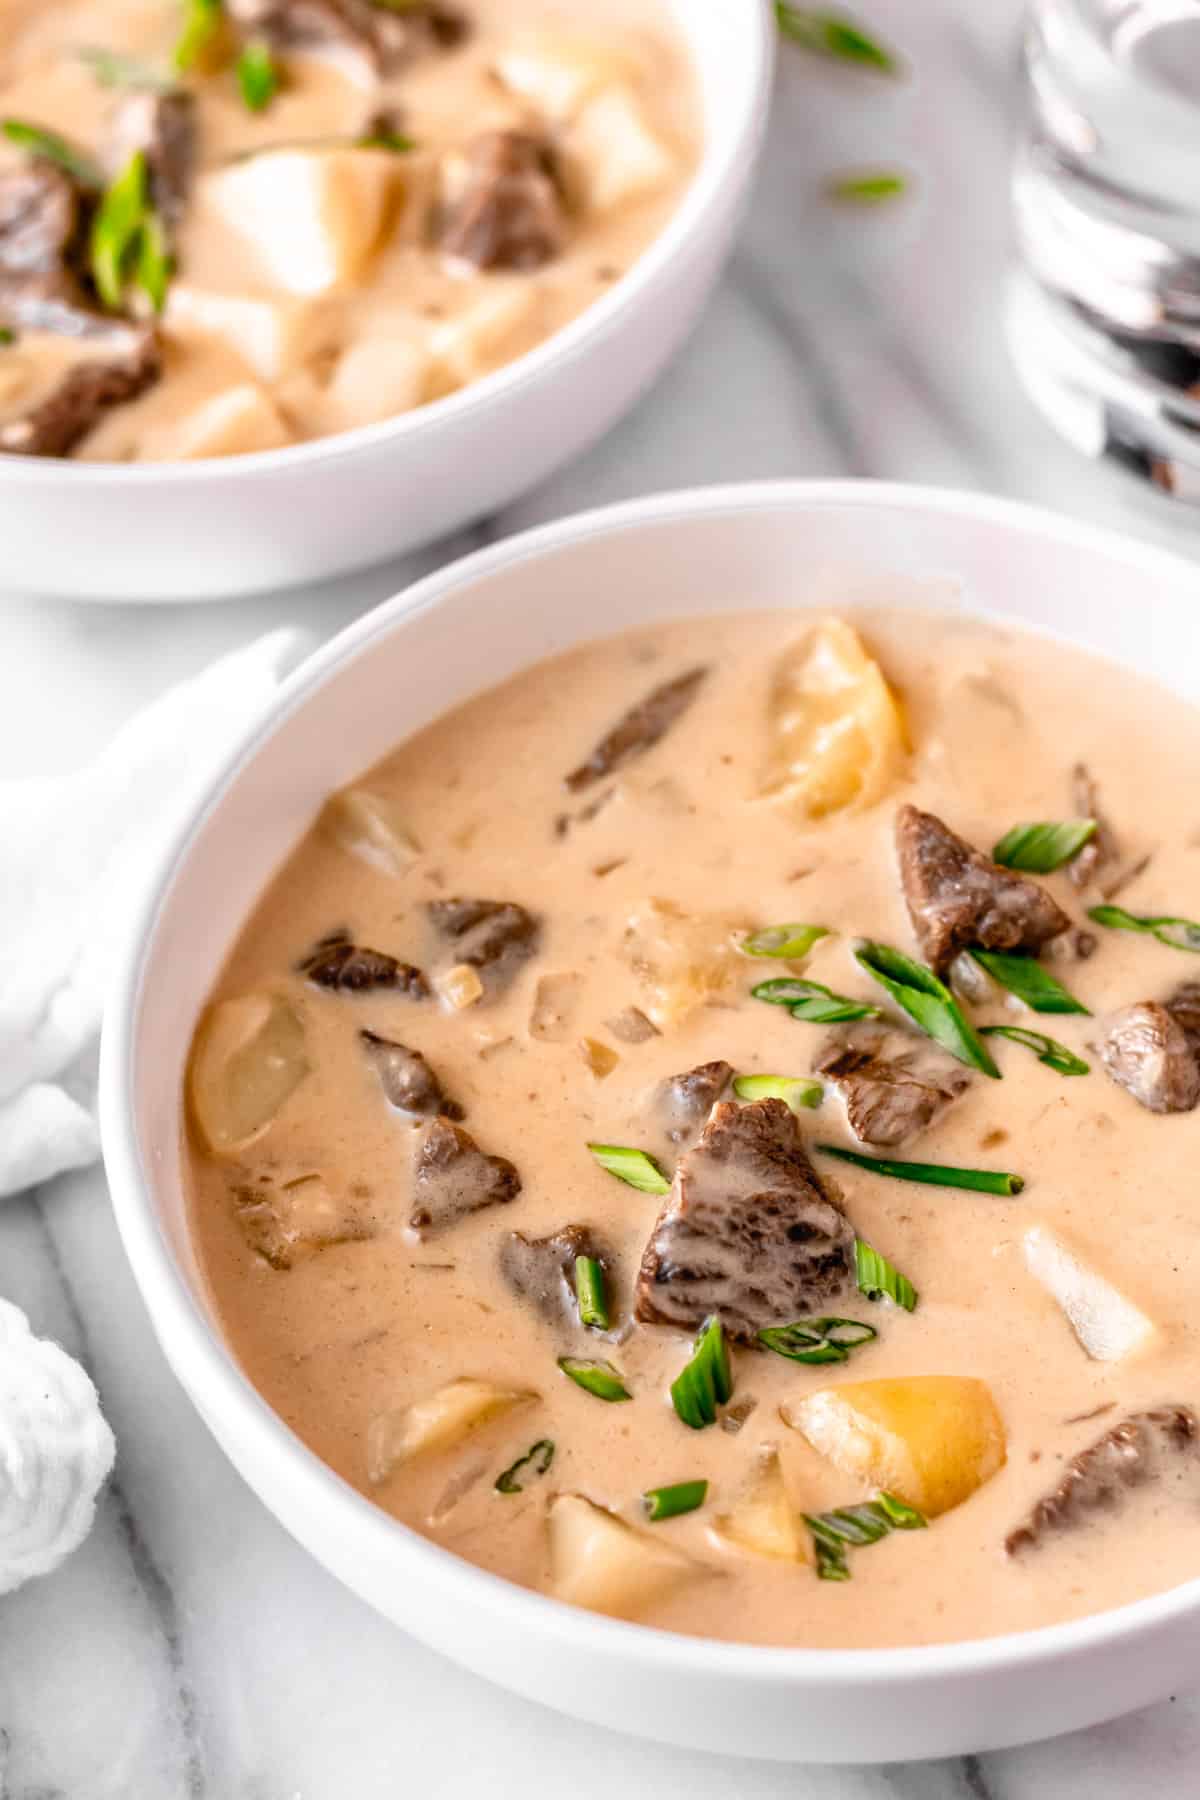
230	225
516	1122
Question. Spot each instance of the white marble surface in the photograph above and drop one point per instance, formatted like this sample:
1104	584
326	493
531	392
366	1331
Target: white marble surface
190	1648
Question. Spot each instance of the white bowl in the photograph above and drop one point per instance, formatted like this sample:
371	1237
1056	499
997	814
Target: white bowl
239	525
801	545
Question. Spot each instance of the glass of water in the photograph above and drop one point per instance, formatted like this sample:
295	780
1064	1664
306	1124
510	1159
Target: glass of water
1104	307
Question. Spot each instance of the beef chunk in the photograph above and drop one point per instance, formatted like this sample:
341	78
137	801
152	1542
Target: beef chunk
1184	1008
688	1099
407	1079
957	897
639	730
351	968
40	212
542	1270
1128	1456
748	1231
455	1177
1147	1051
163	126
492	935
894	1084
1102	851
386	38
127	361
508	213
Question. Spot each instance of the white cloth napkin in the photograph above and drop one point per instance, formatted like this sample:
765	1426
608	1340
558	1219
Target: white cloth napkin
73	851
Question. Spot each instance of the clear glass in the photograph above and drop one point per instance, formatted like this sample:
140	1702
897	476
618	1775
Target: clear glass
1104	309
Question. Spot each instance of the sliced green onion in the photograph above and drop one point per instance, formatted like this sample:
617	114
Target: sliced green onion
117	230
833	34
589	1291
811	1001
1179	934
599	1378
201	24
1048	1050
53	147
1025	977
152	271
788	941
826	1340
7	336
381	139
877	1278
258	76
114	70
707	1380
1043	847
670	1502
794	1090
868	187
978	1181
927	1001
853	1527
527	1468
633	1167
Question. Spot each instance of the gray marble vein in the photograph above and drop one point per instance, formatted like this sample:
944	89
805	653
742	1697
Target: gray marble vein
190	1648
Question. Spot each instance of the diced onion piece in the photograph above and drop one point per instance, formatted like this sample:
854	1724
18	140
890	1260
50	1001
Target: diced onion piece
248	1057
600	1058
559	73
682	961
762	1518
312	217
932	1439
436	1423
459	986
836	730
289	1222
370	826
554	1002
1107	1324
615	155
598	1561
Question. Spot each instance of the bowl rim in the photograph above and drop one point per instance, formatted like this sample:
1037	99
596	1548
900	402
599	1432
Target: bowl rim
212	1367
727	153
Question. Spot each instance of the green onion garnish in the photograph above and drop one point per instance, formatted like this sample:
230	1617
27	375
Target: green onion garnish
707	1380
670	1502
152	271
53	147
128	240
826	1340
811	1001
978	1181
851	1527
7	336
1048	1050
788	941
113	70
1025	977
794	1090
833	34
589	1291
867	187
877	1278
633	1167
599	1378
1044	847
258	76
1179	934
527	1468
201	24
381	139
927	1001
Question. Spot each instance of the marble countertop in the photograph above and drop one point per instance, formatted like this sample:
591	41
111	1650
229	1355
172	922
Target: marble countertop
191	1649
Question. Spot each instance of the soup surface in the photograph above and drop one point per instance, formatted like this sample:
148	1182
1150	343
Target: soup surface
229	225
385	1281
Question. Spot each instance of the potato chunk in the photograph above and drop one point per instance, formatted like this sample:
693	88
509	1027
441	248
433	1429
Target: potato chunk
614	154
272	336
559	73
235	422
248	1057
598	1561
504	321
932	1439
762	1518
835	727
370	826
1107	1324
436	1423
312	217
682	961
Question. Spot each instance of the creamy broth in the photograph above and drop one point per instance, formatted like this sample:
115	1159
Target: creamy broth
360	1329
319	280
